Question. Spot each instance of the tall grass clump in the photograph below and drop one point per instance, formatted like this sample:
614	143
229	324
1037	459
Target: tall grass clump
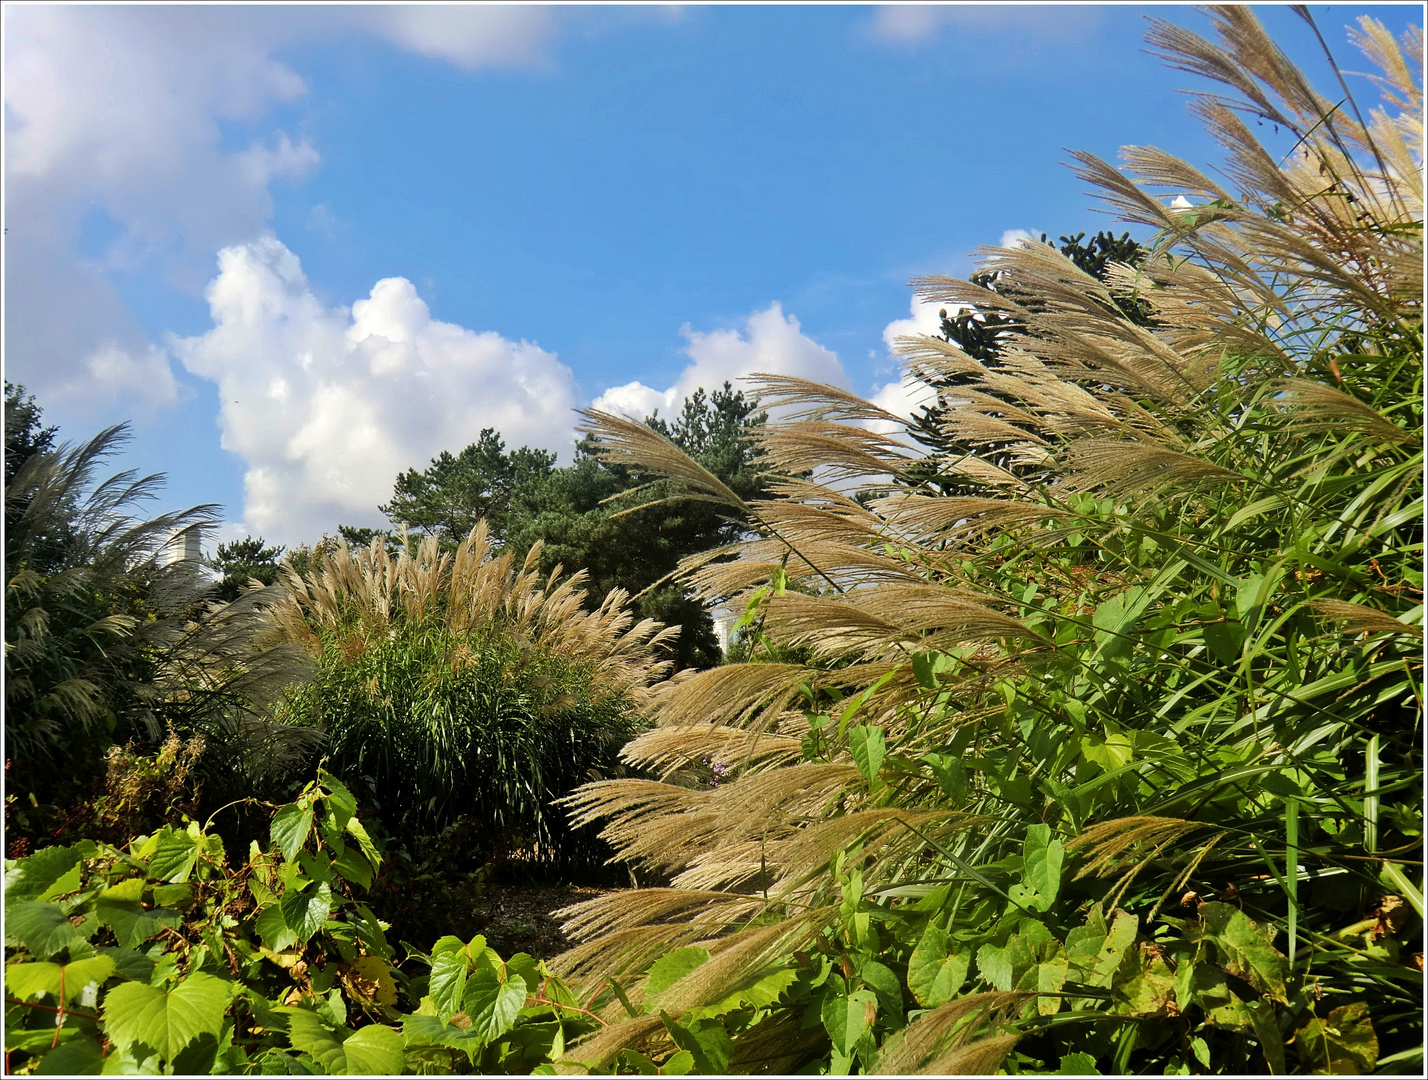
464	684
108	643
1094	742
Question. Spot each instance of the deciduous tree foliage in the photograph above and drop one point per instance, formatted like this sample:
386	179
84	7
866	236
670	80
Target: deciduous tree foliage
610	521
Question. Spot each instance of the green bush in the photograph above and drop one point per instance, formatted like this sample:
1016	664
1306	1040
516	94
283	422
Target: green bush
168	956
462	685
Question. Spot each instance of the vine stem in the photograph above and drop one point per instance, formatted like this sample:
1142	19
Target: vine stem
542	1000
52	1008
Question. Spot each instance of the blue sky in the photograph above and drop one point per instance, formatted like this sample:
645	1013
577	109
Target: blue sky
435	220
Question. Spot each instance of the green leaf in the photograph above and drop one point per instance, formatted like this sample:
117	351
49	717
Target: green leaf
120	907
882	982
1343	1042
869	750
1266	1029
354	867
129	964
290	828
43	928
25	981
1095	952
1224	640
273	928
846	1018
447	984
1078	1064
1110	753
1042	857
33	876
356	830
374	1050
339	799
173	895
669	969
173	856
1245	949
165	1022
492	1003
305	912
706	1041
934	972
679	1064
77	1057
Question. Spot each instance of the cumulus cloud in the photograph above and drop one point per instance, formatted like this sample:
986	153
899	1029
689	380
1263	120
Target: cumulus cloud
129	112
769	341
326	405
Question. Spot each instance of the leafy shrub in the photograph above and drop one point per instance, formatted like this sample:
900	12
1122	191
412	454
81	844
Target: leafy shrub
464	685
166	956
1094	764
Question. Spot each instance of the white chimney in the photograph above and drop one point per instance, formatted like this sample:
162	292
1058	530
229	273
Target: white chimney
186	545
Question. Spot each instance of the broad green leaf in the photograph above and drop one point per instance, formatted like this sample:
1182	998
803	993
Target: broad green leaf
882	982
31	877
1078	1064
1224	640
25	981
305	912
354	867
43	928
672	967
374	1050
277	935
64	885
1266	1029
165	1022
173	895
492	1003
356	830
1095	953
339	799
128	963
1042	857
1110	753
869	750
173	856
1343	1042
447	984
678	1064
1050	978
290	828
706	1041
120	907
76	1057
1245	949
1146	983
846	1018
935	972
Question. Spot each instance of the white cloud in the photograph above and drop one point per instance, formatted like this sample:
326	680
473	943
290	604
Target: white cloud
469	36
122	110
769	342
327	405
906	395
1015	237
913	24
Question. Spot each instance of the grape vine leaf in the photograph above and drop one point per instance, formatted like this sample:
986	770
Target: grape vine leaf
165	1022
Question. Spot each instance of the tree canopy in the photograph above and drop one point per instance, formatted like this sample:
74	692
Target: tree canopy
626	528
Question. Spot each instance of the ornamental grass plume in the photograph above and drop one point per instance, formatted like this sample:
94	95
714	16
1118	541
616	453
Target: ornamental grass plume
1095	711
